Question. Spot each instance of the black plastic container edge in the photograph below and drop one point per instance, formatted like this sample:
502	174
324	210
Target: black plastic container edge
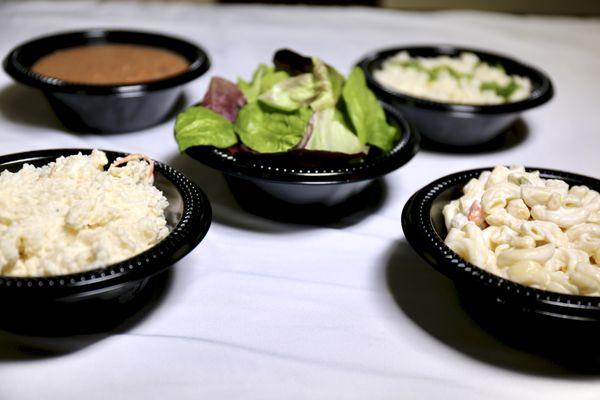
367	169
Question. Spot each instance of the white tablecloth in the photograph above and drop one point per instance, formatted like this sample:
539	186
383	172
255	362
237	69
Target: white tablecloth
266	310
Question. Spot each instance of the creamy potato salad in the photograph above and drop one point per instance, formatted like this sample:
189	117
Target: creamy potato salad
464	79
537	232
74	215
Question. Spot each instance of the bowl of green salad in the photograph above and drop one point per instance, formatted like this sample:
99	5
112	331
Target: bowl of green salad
455	96
298	131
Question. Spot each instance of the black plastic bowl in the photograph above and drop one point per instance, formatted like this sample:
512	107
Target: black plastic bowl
458	124
424	228
106	108
188	217
322	183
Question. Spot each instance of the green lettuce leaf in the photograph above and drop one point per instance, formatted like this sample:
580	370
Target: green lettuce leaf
337	82
323	87
263	79
199	126
290	94
366	114
295	64
328	132
271	79
269	131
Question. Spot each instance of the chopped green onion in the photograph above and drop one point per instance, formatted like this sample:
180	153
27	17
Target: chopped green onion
503	91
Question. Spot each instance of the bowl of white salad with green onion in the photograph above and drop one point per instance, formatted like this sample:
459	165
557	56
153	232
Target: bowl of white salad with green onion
455	96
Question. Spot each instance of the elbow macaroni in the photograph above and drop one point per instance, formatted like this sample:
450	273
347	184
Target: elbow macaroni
533	231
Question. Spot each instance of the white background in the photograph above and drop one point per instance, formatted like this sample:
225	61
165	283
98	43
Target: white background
268	310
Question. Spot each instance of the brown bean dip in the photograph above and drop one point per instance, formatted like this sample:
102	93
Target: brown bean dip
111	64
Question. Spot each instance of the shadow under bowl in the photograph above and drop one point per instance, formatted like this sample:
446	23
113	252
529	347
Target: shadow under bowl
458	124
514	311
107	108
309	181
188	217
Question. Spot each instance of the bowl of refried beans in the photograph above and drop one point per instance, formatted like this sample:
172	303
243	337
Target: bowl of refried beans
107	81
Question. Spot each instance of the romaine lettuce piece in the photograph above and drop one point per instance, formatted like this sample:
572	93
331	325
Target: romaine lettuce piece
251	89
290	94
337	82
366	114
263	79
327	131
199	126
296	64
323	87
269	131
271	79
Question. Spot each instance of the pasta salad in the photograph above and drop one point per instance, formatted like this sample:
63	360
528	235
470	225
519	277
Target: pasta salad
533	231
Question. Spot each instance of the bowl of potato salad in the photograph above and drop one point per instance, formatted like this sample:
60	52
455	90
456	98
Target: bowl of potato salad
80	225
455	96
525	239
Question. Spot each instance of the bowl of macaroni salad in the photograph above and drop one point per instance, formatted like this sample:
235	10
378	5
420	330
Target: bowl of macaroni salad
528	238
455	96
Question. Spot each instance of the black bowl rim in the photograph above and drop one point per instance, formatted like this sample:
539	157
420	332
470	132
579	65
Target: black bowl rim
198	66
536	98
421	234
263	170
182	239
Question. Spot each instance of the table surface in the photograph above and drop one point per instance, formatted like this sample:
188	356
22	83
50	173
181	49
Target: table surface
263	309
